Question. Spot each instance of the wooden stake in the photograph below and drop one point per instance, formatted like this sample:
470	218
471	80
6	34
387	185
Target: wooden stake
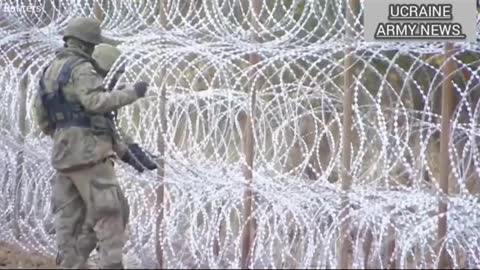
447	109
249	231
160	192
98	10
390	260
345	242
22	101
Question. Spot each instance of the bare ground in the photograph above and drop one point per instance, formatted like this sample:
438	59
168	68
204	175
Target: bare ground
12	257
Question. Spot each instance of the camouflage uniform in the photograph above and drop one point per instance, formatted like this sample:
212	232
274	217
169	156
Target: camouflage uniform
88	203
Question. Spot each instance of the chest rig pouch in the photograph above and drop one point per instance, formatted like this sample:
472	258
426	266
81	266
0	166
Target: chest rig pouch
62	113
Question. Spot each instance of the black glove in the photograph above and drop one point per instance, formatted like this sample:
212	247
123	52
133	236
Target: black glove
140	88
138	158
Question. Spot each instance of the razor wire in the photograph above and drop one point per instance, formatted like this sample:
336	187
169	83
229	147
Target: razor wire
198	51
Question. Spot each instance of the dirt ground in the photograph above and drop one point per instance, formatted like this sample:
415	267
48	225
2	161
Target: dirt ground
14	258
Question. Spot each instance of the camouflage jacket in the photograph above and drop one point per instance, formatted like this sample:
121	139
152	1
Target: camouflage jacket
77	147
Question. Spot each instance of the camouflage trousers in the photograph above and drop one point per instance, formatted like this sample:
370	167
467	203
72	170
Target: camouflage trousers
90	208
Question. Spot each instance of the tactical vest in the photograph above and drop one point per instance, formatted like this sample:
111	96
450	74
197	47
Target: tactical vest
62	113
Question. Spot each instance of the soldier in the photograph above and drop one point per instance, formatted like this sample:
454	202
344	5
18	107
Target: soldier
105	55
72	107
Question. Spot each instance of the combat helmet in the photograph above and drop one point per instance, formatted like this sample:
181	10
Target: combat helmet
105	55
85	29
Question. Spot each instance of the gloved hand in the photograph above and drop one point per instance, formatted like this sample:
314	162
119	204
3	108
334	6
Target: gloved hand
140	88
138	158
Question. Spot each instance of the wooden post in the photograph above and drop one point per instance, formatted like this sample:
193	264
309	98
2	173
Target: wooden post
160	192
98	10
390	258
345	242
249	230
216	240
22	112
161	176
447	109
